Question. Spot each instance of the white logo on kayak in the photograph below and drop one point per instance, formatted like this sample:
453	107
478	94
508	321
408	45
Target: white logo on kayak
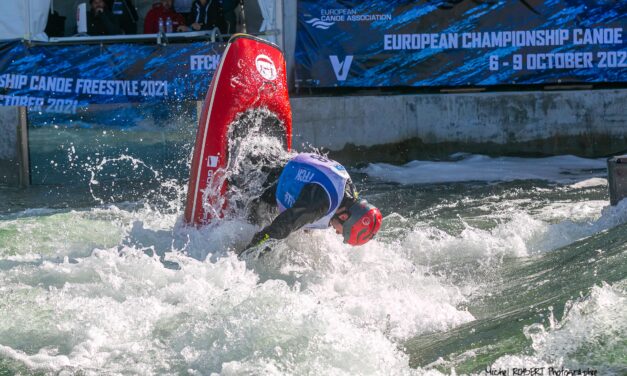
265	67
212	161
341	68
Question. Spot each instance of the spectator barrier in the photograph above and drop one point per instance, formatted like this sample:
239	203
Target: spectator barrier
66	78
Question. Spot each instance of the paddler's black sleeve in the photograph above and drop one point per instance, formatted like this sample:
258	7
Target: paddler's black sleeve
311	205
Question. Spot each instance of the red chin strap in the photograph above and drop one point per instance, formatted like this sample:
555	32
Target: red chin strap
362	224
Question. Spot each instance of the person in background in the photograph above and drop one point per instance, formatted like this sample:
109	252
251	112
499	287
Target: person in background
183	7
55	26
204	14
125	13
100	20
229	20
163	10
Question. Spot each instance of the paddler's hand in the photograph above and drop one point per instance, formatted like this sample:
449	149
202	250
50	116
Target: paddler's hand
245	254
259	239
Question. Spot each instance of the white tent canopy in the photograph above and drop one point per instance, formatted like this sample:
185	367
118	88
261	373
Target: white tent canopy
268	13
24	19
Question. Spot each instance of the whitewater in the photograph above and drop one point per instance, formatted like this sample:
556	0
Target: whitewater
482	263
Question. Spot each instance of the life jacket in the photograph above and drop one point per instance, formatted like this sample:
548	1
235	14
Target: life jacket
308	168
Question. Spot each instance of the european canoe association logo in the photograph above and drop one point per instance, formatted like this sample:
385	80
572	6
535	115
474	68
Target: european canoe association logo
319	24
329	17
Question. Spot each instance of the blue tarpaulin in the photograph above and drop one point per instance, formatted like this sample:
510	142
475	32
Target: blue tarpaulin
434	43
63	78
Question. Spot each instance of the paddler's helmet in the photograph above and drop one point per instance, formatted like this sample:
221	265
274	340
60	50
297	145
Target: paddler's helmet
363	223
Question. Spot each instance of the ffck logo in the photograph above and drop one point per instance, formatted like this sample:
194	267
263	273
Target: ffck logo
204	62
341	69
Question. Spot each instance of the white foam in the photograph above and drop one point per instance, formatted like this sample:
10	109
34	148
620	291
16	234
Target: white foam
517	234
589	336
58	234
314	305
133	302
583	211
559	169
589	183
41	360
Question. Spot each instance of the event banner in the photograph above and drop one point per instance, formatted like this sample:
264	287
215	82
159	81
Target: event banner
422	43
63	79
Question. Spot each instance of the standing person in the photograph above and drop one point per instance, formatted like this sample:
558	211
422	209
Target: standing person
125	13
184	7
229	25
163	10
100	20
204	14
314	192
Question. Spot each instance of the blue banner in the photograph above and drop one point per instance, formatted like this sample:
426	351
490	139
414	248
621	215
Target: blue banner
383	43
63	79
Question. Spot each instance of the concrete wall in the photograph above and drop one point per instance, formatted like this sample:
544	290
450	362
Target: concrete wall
393	128
579	122
8	146
288	43
8	130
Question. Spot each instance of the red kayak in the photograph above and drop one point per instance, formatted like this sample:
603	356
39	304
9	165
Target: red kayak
251	76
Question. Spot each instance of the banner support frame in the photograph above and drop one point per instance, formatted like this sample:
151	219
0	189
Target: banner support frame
22	147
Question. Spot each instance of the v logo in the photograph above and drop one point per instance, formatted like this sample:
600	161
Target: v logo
341	69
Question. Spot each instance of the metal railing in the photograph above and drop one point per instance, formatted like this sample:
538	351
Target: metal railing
158	38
